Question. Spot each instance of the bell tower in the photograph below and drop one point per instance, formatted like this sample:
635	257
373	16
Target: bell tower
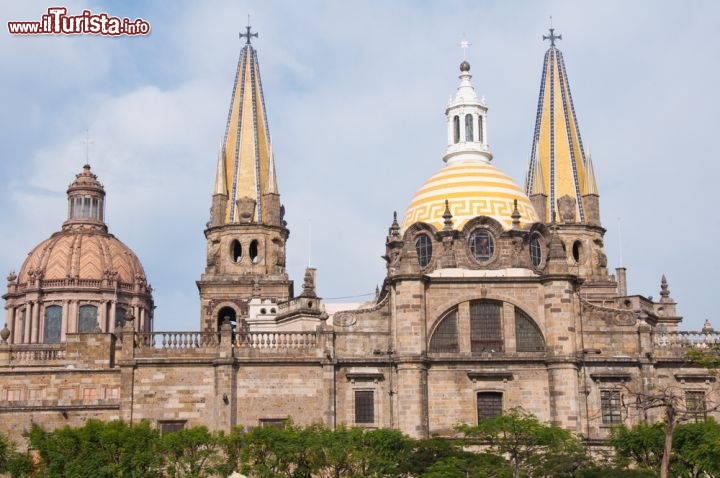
246	234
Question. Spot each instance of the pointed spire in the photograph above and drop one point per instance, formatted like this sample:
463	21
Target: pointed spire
447	217
664	291
394	230
220	185
249	168
557	148
590	186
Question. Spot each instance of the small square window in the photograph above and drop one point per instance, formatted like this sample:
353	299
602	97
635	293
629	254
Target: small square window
67	394
89	394
273	422
13	394
112	393
364	406
695	404
36	394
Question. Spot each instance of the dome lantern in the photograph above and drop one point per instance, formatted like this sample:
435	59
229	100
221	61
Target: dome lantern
86	201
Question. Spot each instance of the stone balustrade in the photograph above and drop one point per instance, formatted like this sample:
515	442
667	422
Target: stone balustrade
276	340
39	354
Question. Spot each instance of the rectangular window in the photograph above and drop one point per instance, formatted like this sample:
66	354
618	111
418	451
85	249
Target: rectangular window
489	405
169	426
695	403
89	394
364	406
67	394
13	394
36	394
610	406
485	327
112	393
273	422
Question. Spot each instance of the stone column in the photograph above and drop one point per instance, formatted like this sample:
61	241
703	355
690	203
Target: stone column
113	312
412	409
463	327
28	322
10	322
72	316
64	320
563	388
225	402
102	319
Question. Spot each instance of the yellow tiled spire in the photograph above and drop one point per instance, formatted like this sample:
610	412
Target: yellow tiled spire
557	158
246	152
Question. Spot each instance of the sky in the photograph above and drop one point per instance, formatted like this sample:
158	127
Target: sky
355	93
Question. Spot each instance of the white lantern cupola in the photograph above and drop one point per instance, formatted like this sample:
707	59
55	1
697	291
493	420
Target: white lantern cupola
467	123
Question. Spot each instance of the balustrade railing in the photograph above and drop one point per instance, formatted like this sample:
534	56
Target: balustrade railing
27	354
687	339
176	340
275	340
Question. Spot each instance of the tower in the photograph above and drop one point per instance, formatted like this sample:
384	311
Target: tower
246	234
560	178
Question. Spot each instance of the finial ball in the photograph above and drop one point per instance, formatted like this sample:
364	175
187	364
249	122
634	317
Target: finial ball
464	66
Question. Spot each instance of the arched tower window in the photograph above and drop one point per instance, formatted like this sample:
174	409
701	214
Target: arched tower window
469	128
485	326
53	321
445	337
254	252
481	136
226	313
236	250
528	337
456	129
87	318
535	250
423	246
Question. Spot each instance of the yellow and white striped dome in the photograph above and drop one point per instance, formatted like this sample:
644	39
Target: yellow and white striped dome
472	188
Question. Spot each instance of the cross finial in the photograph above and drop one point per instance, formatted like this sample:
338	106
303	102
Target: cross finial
552	37
87	142
464	45
247	35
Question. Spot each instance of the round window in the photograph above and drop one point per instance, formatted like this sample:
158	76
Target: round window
482	245
423	246
535	250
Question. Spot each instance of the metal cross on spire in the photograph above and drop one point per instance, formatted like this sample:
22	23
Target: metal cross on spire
552	37
247	35
87	142
464	45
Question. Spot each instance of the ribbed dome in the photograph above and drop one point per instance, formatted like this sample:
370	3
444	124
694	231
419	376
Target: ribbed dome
472	188
82	255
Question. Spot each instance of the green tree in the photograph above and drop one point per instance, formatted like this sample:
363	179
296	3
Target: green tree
469	465
531	447
191	452
641	445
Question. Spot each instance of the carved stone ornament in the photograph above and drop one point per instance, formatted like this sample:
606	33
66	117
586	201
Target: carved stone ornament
566	207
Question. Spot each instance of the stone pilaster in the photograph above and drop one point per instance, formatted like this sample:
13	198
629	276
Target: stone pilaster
412	407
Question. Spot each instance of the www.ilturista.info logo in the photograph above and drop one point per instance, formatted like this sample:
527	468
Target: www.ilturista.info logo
58	22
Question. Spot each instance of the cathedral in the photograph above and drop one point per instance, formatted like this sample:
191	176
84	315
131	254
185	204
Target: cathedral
496	296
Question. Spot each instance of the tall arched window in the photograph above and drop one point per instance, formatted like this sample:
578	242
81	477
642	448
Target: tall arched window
229	314
456	129
423	246
469	128
528	337
53	321
87	318
445	337
120	317
485	326
481	136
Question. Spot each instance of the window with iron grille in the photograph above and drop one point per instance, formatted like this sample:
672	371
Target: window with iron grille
535	250
87	318
169	426
610	407
279	423
53	324
695	403
485	326
445	338
423	246
528	337
364	406
489	405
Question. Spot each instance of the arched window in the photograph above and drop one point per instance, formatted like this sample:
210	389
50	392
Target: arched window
87	318
469	128
53	321
482	245
423	246
226	313
528	337
485	326
481	136
456	129
254	252
236	250
445	337
535	250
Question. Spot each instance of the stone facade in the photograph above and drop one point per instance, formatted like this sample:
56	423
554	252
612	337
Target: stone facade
474	317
